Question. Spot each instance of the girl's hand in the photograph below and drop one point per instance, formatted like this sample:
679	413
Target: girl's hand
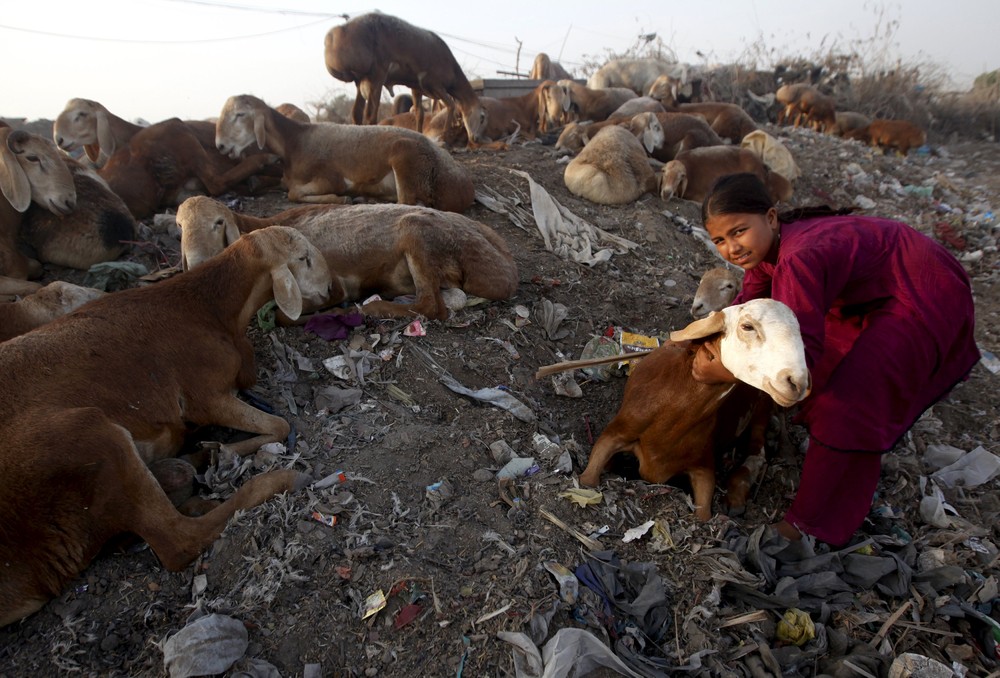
707	367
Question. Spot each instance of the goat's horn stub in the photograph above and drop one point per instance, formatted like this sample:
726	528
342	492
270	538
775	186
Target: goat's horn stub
713	324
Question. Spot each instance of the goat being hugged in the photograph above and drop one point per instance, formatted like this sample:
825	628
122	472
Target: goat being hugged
675	422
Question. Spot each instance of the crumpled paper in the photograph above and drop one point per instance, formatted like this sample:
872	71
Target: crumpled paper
566	234
205	647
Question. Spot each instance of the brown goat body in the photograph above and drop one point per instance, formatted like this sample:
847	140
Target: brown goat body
807	105
153	170
675	425
83	413
890	135
729	121
100	227
325	163
692	173
390	250
31	171
378	50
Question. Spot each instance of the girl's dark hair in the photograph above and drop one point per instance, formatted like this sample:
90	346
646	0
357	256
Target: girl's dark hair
745	193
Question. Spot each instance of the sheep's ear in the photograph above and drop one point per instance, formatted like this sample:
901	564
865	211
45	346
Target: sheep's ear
14	182
287	294
232	233
706	327
93	152
184	260
647	139
105	139
260	130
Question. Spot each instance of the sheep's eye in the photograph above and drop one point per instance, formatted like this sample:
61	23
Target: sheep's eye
747	327
727	286
81	114
31	158
219	223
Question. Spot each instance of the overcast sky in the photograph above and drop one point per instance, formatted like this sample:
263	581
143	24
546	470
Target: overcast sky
160	58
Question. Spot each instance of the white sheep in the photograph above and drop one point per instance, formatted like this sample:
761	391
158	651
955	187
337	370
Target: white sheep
635	74
326	163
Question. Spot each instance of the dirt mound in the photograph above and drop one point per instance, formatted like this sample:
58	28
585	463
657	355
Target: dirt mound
459	557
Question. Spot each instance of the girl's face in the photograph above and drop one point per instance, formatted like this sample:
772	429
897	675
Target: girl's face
743	239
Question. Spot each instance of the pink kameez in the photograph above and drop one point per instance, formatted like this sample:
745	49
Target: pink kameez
887	320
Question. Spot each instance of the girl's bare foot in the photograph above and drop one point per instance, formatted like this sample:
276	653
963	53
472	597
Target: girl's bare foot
787	530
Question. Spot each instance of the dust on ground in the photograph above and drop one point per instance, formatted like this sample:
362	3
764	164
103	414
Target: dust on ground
471	563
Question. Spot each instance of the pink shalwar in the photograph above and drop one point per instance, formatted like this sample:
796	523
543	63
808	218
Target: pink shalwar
887	320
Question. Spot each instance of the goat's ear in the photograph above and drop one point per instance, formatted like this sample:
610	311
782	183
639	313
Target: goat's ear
105	138
714	323
260	130
287	294
14	182
647	139
232	233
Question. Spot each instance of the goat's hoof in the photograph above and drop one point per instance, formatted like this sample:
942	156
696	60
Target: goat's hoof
736	511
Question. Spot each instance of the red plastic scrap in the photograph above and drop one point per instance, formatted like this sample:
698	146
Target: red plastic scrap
946	233
408	614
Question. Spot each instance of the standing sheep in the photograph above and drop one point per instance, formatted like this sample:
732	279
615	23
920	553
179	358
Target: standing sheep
377	50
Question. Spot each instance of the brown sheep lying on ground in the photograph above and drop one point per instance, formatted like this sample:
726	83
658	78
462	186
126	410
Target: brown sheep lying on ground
38	308
388	250
76	444
897	135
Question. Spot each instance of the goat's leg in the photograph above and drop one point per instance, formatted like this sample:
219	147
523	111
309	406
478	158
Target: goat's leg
750	472
373	97
418	108
703	487
231	412
358	109
608	445
217	183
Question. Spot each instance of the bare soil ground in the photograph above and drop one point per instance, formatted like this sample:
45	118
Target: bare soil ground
471	564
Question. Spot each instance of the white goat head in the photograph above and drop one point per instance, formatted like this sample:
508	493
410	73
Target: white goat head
716	290
760	344
207	227
32	169
243	122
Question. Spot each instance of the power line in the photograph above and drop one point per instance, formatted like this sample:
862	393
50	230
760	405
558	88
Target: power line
158	42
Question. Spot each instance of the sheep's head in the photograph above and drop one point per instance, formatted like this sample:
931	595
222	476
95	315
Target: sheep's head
207	227
31	169
300	277
760	344
242	123
474	118
84	123
572	138
647	127
664	90
57	299
673	181
550	105
716	290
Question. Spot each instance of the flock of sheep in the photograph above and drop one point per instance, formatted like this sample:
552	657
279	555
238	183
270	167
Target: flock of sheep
67	354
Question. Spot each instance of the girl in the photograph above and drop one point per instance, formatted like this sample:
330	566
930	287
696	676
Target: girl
887	320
